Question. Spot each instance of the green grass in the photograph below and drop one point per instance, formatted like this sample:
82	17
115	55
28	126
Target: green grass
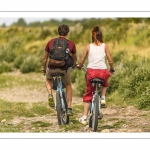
9	110
31	80
116	99
41	109
41	124
118	124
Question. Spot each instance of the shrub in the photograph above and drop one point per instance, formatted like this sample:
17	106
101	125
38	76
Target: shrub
81	83
5	67
114	82
31	64
144	100
74	75
136	81
7	54
19	60
119	56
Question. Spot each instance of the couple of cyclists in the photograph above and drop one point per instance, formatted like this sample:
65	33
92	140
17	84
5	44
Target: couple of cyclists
96	52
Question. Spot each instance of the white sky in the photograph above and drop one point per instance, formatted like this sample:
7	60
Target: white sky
9	21
11	17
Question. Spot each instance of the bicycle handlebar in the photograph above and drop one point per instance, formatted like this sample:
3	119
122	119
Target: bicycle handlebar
80	68
84	69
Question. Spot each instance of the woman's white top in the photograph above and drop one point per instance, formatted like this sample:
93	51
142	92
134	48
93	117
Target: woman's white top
96	57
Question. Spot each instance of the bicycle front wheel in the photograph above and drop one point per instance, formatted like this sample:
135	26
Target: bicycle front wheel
93	121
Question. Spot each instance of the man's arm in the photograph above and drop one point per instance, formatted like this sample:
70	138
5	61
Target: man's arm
45	58
85	52
75	59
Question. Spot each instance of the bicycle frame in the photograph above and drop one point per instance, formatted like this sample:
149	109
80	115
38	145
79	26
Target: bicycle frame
93	99
61	103
59	89
95	104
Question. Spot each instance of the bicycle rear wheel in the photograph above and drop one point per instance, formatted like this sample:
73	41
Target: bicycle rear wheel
64	117
93	121
58	108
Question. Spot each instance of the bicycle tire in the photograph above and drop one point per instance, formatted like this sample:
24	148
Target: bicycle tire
93	121
58	108
64	117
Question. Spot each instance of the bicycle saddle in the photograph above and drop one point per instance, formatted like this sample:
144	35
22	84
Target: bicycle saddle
97	80
57	74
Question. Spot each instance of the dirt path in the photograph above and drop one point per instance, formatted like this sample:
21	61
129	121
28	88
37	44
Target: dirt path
116	119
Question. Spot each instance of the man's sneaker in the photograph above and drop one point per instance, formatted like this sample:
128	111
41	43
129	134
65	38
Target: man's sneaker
69	112
83	121
51	100
100	115
103	103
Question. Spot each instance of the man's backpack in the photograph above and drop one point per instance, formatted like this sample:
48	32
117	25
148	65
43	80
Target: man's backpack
60	54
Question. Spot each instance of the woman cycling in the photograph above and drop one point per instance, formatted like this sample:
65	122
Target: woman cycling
96	68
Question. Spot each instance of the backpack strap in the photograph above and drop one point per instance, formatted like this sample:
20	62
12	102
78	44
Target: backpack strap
54	43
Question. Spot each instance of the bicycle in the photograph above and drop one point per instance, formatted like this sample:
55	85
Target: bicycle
96	104
95	107
61	102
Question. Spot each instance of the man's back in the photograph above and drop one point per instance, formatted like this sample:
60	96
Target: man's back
71	47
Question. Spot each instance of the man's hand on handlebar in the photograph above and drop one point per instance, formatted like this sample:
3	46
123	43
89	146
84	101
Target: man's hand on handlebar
44	71
77	66
74	66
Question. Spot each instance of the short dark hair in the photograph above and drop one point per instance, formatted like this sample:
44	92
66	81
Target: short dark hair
63	30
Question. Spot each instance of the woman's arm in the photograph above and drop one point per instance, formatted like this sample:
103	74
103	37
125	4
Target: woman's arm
109	58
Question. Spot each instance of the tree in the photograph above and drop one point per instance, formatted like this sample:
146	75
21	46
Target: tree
20	22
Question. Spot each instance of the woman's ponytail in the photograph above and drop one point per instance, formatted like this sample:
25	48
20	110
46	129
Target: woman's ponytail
99	35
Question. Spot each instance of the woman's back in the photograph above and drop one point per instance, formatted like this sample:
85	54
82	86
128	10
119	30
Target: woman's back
96	56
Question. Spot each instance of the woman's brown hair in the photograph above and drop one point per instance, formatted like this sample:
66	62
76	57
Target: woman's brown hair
98	34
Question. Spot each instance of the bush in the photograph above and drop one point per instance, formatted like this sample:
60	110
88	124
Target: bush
81	83
9	51
44	33
144	100
136	81
114	82
74	74
19	60
119	56
31	64
5	67
7	54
